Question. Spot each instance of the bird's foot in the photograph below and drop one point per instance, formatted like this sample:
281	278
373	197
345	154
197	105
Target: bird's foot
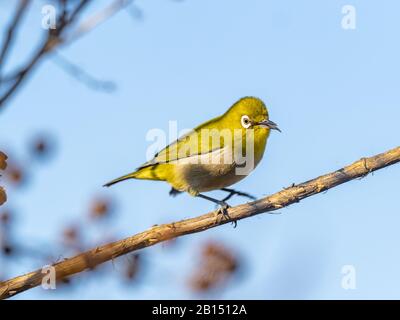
173	192
223	207
223	210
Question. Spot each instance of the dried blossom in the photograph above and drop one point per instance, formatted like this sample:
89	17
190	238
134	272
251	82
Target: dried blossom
217	265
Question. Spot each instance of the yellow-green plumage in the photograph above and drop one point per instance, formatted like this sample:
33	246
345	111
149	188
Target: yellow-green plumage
178	163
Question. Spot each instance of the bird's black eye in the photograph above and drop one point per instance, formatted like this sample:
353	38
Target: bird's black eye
246	123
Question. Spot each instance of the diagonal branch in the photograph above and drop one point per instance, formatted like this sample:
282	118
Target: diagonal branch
98	18
81	75
159	233
53	39
12	29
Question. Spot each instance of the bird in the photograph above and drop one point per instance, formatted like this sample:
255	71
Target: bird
214	155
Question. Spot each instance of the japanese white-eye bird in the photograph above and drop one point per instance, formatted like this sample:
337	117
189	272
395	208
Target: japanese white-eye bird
205	159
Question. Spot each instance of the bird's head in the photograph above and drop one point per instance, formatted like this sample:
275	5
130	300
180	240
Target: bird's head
250	113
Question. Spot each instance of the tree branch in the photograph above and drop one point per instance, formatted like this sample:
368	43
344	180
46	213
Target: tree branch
12	29
81	75
53	39
159	233
98	18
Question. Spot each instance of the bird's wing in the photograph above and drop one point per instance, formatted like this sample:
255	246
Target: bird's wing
188	146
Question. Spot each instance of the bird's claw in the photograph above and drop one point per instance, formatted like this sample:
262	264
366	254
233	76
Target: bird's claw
223	210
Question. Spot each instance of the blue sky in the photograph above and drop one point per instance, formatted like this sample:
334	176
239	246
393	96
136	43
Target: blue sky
333	92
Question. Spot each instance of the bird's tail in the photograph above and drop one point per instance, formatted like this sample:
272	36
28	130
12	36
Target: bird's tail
120	179
147	173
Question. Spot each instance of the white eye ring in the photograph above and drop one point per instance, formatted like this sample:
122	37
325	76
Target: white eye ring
246	123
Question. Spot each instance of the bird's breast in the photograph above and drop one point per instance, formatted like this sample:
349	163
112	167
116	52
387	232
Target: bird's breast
217	169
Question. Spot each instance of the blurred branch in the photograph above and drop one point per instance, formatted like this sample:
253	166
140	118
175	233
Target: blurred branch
160	233
95	20
81	75
54	38
12	29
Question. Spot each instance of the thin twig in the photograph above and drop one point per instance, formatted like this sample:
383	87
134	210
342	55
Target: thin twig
59	37
11	31
98	18
88	260
53	39
81	75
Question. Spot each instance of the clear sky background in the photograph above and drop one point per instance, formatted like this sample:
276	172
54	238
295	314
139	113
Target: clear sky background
334	93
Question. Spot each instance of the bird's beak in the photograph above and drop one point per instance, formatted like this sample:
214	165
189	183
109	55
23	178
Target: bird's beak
269	124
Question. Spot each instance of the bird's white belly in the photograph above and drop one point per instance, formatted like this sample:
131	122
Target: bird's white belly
211	171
